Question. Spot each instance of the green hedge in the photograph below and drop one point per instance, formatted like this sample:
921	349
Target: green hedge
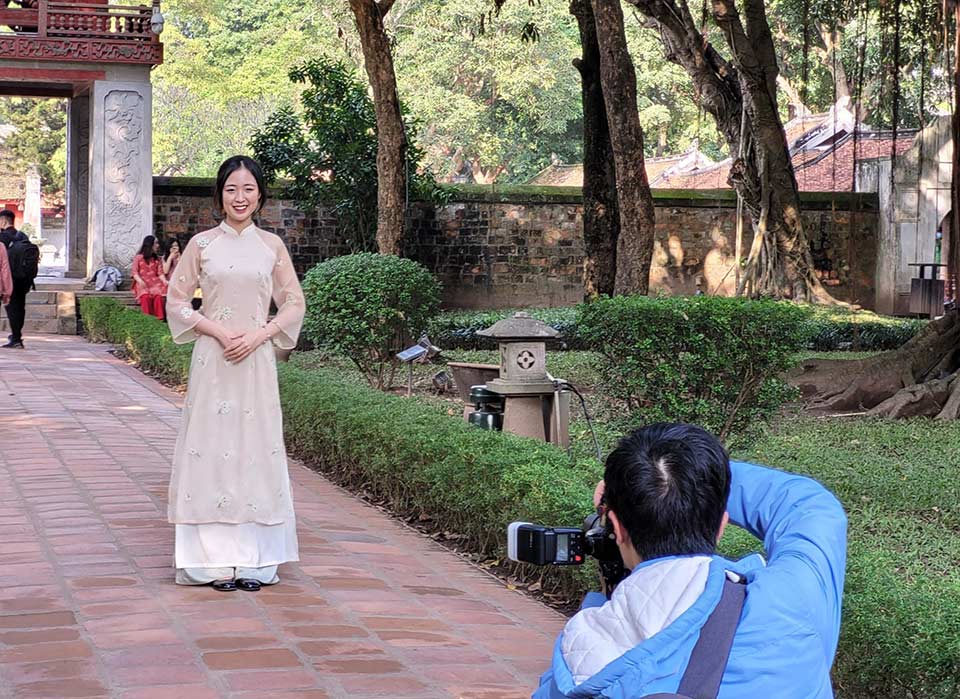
858	331
145	339
899	483
707	360
457	330
832	329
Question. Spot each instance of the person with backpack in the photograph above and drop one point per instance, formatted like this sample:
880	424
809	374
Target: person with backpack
24	259
686	622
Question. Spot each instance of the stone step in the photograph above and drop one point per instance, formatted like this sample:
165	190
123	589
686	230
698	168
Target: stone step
33	327
37	298
52	310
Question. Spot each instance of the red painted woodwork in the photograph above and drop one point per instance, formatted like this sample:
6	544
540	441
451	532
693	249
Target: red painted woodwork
71	31
53	75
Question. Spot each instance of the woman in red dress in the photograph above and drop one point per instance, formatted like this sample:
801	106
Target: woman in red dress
149	282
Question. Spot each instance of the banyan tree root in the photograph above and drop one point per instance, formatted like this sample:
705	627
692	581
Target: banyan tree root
923	399
920	378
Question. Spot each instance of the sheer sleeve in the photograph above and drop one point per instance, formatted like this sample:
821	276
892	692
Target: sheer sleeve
180	314
288	296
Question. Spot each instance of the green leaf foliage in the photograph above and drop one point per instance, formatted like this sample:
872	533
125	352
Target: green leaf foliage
328	151
37	137
843	329
145	339
831	329
708	360
368	307
458	329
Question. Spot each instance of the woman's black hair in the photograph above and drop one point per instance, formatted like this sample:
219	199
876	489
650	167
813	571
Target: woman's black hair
169	246
230	166
146	248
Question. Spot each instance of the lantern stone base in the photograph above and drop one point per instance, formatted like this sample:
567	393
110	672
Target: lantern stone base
536	417
517	387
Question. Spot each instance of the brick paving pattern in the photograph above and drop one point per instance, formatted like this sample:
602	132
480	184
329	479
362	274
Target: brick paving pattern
88	607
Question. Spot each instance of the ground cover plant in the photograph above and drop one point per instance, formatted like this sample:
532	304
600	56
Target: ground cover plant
899	483
831	328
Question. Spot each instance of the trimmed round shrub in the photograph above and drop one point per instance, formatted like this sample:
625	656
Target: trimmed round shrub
707	360
368	307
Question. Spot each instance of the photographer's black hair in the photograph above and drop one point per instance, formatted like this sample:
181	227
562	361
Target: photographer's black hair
668	484
6	213
231	165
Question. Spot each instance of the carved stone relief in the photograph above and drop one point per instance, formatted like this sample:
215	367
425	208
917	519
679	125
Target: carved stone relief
123	187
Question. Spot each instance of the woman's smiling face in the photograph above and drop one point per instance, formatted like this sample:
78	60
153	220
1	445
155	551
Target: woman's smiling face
241	197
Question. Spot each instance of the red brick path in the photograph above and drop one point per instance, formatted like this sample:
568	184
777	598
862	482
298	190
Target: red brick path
88	607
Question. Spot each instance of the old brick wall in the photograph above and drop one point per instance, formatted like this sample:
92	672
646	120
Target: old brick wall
524	247
184	206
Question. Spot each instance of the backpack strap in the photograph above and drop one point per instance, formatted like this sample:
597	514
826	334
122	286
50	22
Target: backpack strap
710	654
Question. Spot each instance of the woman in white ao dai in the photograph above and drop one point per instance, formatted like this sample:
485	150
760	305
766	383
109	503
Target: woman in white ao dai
229	490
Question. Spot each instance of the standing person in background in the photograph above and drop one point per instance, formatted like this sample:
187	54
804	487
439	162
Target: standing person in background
230	498
149	281
23	258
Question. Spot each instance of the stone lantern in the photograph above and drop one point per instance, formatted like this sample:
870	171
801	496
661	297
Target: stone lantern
533	406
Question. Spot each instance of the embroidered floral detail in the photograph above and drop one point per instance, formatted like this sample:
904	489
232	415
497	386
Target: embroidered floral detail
186	497
181	278
248	412
202	361
223	408
227	455
292	298
223	501
252	506
186	312
194	452
203	241
225	313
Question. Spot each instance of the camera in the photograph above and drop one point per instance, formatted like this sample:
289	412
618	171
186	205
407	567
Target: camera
567	546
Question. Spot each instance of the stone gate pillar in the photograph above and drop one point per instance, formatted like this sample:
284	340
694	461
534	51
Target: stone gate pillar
78	184
121	183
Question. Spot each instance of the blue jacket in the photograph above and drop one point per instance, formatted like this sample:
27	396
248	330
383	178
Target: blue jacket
787	636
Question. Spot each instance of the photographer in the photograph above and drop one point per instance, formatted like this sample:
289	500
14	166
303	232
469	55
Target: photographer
669	491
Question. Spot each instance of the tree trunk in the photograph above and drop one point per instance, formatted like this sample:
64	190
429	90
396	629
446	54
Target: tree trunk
619	84
953	249
831	38
780	264
391	136
840	385
601	214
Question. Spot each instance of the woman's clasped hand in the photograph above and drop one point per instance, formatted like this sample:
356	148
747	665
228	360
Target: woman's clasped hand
236	348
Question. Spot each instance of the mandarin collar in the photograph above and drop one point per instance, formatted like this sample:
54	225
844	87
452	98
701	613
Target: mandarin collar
228	229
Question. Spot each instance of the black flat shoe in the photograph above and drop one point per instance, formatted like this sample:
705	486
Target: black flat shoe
13	343
248	584
225	585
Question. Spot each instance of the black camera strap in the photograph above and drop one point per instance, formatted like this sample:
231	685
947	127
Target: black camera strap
710	654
